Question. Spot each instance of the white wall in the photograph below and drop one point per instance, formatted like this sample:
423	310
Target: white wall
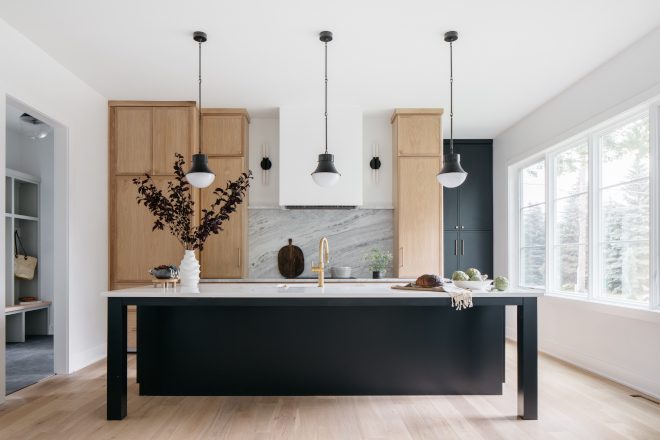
32	77
375	128
604	339
265	131
36	157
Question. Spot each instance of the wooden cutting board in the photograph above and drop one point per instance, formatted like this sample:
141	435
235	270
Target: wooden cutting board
291	261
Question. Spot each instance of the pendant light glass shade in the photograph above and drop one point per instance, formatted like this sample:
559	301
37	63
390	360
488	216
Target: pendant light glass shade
200	175
33	127
326	174
452	174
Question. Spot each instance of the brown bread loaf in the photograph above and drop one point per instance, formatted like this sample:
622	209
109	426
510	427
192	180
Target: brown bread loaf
429	281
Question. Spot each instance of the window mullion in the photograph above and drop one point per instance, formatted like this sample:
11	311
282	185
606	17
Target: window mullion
594	231
549	220
654	209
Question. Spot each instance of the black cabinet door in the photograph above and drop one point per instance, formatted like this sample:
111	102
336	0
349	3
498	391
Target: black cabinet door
475	249
450	201
451	251
476	193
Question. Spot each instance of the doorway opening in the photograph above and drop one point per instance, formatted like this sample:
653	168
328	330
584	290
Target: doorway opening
31	282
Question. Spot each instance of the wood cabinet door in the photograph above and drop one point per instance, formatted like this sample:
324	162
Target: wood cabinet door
133	140
222	255
419	221
419	135
172	134
476	193
136	247
223	135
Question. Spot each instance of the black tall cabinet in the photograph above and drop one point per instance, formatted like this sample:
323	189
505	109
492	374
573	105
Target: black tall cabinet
468	210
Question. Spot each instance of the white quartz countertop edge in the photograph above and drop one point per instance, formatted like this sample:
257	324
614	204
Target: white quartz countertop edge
307	280
265	290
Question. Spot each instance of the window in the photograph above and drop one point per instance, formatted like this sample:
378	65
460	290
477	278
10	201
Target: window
532	226
597	194
571	220
624	246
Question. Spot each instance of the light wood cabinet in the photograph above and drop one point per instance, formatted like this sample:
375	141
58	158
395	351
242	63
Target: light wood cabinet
133	130
417	132
142	137
173	133
137	247
225	132
417	195
225	254
419	216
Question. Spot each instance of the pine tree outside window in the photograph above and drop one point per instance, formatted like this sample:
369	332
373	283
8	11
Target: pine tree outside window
571	220
624	246
532	226
588	213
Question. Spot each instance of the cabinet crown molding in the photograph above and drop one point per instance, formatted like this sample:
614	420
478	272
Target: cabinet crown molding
416	111
152	103
226	112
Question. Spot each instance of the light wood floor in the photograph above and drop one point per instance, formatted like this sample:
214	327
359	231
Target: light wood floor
574	404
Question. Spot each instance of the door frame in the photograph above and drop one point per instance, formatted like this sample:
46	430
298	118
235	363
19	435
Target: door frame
61	239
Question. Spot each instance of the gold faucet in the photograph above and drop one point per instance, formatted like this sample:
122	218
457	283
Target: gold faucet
320	268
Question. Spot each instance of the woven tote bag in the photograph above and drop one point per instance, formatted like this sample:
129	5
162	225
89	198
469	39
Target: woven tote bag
24	266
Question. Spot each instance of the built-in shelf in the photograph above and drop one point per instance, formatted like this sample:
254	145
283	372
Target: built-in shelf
22	217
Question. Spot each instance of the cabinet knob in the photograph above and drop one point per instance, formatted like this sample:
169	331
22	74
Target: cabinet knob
462	227
456	227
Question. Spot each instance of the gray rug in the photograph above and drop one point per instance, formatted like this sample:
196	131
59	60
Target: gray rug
28	362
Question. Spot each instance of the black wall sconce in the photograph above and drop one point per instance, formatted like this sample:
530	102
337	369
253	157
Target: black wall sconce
266	164
375	164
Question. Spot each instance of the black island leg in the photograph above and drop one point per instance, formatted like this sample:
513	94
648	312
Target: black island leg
117	367
528	379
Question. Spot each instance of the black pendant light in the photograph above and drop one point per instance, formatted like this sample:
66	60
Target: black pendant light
200	175
325	174
451	175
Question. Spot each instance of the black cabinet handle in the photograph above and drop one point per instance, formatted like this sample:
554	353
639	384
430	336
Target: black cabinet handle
462	247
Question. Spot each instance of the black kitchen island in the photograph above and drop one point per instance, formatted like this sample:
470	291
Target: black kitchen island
361	339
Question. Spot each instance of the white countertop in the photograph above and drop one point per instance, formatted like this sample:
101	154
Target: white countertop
265	290
308	280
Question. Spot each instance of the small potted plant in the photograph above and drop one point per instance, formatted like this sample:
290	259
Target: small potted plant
377	262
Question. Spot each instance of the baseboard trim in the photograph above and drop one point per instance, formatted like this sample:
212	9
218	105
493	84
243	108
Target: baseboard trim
615	373
87	358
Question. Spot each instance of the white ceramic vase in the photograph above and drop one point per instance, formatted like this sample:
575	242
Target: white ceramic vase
189	270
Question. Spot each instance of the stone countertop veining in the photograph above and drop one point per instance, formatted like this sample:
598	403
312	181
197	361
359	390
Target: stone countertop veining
283	290
308	280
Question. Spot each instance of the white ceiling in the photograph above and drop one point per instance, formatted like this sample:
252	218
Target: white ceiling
511	55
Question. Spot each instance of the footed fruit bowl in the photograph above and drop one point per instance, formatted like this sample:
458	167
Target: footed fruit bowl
472	285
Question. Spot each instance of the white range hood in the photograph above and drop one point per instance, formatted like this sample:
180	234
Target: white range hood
302	139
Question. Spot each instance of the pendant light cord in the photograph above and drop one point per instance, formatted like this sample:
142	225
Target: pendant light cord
451	100
326	97
200	97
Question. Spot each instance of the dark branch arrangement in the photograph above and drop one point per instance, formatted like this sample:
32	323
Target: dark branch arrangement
177	210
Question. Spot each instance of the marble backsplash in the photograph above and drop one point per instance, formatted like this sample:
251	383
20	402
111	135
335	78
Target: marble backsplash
350	233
